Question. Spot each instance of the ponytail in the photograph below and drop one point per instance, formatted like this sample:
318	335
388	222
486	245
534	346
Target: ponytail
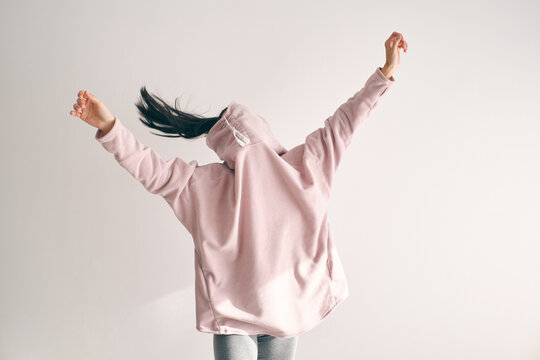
157	114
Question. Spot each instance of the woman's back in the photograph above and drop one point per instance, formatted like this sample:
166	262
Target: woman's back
265	261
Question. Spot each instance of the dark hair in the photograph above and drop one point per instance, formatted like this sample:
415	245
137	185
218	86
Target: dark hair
157	114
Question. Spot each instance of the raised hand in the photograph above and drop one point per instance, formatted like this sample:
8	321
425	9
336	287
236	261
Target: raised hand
392	46
91	110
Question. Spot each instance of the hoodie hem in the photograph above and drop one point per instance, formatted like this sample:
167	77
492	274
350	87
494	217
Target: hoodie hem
224	330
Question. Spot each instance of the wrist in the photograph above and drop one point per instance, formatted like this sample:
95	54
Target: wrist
107	126
387	71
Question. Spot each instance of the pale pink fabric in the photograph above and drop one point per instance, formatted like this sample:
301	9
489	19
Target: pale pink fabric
265	261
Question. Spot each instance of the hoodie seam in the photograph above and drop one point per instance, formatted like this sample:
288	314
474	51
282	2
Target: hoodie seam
210	303
329	267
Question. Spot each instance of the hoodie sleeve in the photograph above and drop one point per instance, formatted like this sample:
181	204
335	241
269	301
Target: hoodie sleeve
328	144
165	178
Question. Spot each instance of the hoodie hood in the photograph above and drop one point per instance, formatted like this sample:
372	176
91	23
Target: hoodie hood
238	128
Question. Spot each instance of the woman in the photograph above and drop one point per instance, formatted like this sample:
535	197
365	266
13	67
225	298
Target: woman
266	268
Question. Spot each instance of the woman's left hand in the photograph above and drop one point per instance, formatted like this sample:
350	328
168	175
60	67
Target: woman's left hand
392	46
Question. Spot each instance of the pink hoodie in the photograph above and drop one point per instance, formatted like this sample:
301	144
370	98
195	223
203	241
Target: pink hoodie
265	261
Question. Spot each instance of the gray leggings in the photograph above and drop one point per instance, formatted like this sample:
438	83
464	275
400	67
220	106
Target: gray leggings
254	347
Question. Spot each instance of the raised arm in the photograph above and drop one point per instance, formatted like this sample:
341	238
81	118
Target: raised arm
327	145
165	178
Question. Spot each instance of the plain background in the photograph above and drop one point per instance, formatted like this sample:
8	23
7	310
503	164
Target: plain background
435	209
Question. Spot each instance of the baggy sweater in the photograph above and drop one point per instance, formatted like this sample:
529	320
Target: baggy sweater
265	260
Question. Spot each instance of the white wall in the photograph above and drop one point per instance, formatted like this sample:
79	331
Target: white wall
436	205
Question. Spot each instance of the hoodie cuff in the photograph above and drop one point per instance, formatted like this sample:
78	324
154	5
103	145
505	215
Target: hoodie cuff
102	137
389	80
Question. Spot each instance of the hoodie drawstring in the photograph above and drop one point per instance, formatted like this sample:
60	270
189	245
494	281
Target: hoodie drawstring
240	138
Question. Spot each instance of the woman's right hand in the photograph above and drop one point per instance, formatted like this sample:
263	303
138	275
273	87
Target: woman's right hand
90	109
